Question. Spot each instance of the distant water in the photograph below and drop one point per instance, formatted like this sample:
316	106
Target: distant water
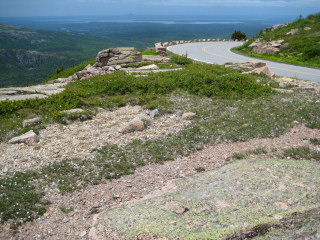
200	20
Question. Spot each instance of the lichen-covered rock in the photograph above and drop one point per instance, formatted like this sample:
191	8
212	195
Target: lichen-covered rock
28	138
293	32
264	70
188	115
136	124
262	47
30	122
148	67
90	71
117	56
213	204
72	111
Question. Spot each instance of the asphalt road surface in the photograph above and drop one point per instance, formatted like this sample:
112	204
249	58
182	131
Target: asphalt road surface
220	53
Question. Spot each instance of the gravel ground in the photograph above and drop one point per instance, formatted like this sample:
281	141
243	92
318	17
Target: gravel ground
76	224
77	140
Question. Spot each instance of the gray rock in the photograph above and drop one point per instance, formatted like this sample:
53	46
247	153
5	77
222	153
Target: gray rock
307	28
136	124
29	138
148	67
188	115
176	208
276	27
117	56
154	113
261	47
8	92
264	70
30	122
90	71
293	32
75	110
22	97
216	199
117	68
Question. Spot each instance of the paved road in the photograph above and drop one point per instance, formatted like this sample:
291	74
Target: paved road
219	53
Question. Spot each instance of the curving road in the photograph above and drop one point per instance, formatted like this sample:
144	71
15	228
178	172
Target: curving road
219	53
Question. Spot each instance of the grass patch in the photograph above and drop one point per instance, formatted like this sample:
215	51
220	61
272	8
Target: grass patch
315	141
243	155
149	51
181	60
20	200
301	153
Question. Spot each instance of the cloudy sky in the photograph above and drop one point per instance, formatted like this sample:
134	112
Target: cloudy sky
157	7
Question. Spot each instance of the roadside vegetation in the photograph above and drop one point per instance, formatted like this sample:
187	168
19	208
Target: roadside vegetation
229	107
302	48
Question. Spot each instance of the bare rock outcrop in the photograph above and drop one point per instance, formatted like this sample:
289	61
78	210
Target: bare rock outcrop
293	32
90	71
28	138
263	70
262	47
30	122
117	56
253	67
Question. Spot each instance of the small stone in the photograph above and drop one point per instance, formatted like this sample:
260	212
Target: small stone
188	115
75	110
65	220
136	124
176	208
30	122
82	234
154	113
117	68
148	67
111	69
29	137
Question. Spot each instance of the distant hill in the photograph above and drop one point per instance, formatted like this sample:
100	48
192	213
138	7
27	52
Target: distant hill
28	56
297	42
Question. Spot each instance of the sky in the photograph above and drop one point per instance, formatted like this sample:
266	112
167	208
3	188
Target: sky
35	8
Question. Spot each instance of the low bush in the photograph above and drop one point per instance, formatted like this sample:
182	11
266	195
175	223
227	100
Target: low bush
181	60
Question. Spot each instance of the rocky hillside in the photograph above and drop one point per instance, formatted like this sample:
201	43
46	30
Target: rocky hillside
28	56
296	42
150	147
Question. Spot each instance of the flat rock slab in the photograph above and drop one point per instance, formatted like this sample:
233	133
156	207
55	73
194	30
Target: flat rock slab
32	92
22	97
217	203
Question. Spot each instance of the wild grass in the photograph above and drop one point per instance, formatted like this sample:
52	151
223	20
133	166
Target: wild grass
301	153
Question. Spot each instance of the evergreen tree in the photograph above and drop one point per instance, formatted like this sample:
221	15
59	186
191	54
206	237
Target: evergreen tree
237	35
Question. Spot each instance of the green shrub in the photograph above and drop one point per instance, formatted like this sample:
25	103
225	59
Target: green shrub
237	35
181	60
